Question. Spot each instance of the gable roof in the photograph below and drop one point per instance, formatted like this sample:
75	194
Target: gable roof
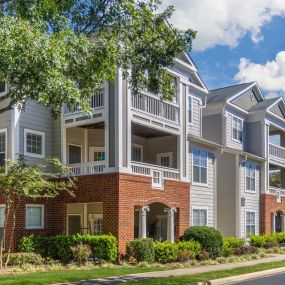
223	94
264	105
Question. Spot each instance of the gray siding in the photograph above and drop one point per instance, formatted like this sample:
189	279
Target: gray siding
212	128
246	101
254	138
195	127
203	196
276	110
251	199
226	194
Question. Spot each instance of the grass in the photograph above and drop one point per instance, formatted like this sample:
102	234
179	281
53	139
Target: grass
188	279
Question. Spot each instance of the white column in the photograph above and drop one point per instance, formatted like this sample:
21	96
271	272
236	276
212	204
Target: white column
170	224
273	222
142	221
63	144
85	145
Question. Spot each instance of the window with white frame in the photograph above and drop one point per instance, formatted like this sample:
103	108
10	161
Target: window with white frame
98	225
189	109
137	152
200	166
237	129
250	176
199	217
34	216
3	137
34	143
165	159
250	223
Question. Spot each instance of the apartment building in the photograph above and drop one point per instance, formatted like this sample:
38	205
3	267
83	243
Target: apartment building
135	158
251	130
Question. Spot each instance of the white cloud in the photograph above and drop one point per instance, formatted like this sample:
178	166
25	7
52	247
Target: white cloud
270	76
224	22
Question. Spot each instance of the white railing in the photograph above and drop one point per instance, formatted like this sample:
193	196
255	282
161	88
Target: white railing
277	151
276	191
153	105
158	173
96	101
86	168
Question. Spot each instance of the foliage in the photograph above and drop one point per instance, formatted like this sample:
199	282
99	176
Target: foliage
57	52
141	250
230	245
18	180
262	240
165	252
22	258
280	237
103	247
275	179
203	255
270	244
81	253
210	239
190	245
246	249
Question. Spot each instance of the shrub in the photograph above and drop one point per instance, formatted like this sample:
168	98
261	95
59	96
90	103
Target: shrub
270	244
141	250
203	255
210	239
257	241
184	255
22	258
81	253
248	249
190	245
165	252
280	237
58	247
230	245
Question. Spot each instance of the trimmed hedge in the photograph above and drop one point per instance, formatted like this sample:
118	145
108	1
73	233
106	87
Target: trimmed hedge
58	247
22	258
231	244
210	239
141	250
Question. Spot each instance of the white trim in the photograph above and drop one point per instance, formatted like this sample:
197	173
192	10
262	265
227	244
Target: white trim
6	142
139	146
189	97
26	131
165	154
43	214
200	208
245	184
67	222
232	128
255	216
81	152
192	171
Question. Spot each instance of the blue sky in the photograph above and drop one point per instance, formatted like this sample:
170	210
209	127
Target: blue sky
218	65
238	40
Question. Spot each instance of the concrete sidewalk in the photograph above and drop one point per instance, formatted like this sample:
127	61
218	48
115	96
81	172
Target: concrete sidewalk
179	272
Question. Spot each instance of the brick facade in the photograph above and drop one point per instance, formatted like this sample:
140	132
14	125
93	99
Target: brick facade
120	193
269	206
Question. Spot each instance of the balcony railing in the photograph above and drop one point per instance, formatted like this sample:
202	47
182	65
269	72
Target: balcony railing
277	191
277	151
96	101
86	168
158	173
153	105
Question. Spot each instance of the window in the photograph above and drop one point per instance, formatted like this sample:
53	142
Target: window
2	216
34	143
3	136
250	223
200	166
199	217
189	109
164	159
237	129
34	216
250	176
137	152
156	179
98	225
74	154
99	155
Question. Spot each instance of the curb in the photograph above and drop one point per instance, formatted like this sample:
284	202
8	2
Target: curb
245	277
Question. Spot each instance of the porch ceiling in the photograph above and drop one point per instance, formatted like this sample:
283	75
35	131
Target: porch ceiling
97	126
142	131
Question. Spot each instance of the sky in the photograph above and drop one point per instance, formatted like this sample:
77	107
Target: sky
237	41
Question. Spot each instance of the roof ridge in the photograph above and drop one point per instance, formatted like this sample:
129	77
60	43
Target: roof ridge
245	83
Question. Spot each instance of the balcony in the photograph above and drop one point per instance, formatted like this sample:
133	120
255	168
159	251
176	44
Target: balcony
157	173
96	102
95	167
152	105
277	152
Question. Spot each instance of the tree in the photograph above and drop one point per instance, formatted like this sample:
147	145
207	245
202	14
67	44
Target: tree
61	52
19	180
275	179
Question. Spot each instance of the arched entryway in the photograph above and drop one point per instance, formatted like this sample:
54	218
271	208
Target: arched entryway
156	221
278	222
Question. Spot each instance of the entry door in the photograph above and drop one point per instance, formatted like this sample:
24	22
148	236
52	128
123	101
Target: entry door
74	154
74	224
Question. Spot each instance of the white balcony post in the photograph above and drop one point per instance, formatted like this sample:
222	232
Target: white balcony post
142	221
171	224
273	222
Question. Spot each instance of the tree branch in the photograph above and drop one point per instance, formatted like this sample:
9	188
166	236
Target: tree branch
9	107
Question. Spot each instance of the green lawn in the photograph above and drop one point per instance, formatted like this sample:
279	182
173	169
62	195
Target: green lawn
188	279
41	278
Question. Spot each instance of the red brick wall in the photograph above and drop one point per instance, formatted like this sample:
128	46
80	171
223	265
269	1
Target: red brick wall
120	193
269	206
